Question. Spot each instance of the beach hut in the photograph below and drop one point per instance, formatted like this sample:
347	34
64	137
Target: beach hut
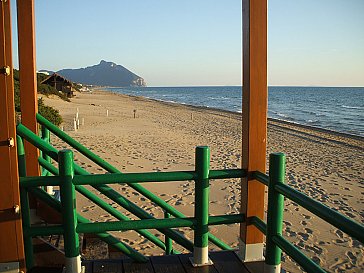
60	83
20	175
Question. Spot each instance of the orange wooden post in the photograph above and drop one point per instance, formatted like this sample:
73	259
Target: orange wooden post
28	78
255	100
11	235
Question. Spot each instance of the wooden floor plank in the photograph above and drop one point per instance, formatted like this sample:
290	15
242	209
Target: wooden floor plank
88	266
44	269
224	262
185	261
133	267
167	264
227	262
107	266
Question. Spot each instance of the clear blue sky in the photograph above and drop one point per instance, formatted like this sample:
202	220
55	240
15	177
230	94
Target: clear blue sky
171	43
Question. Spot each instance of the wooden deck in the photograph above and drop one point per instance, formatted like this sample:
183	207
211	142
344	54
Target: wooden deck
224	262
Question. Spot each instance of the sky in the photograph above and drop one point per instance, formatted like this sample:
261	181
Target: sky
199	42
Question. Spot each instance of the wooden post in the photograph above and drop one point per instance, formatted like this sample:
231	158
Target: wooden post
255	100
28	79
11	235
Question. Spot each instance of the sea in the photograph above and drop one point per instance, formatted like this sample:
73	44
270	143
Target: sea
339	109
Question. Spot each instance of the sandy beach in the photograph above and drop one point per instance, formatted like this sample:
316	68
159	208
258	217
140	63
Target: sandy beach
162	136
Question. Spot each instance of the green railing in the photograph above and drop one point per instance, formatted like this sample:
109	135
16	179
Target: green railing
275	242
149	195
70	177
82	177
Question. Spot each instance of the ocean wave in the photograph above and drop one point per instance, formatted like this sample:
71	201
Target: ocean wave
218	98
282	115
352	107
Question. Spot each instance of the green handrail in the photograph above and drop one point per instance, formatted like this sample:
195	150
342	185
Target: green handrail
99	227
43	231
273	229
133	178
36	181
331	216
137	211
297	255
258	223
104	205
116	197
276	190
157	223
262	177
106	190
108	167
106	237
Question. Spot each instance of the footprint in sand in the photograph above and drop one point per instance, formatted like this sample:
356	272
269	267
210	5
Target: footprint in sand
308	230
317	260
339	233
306	216
304	236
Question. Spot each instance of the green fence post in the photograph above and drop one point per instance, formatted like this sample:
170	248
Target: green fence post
168	241
69	215
202	166
25	209
277	169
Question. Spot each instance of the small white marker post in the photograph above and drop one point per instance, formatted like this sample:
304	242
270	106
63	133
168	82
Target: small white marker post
78	124
50	190
107	113
74	124
73	265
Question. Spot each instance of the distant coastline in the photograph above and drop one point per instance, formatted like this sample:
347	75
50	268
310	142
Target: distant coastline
230	100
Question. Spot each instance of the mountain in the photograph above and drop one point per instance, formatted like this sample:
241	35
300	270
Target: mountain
103	74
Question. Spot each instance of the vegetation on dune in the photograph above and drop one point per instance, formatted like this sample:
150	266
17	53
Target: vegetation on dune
49	113
46	111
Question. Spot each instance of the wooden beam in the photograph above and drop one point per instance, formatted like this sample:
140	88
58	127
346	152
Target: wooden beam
11	236
28	79
255	100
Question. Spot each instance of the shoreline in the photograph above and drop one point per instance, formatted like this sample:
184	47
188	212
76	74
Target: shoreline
327	167
238	114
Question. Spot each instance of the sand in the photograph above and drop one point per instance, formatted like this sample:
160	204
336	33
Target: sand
328	167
